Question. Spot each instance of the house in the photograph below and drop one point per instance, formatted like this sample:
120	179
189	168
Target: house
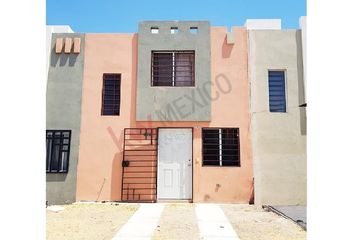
276	78
170	113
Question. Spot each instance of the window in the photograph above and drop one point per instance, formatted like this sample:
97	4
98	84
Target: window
221	147
154	30
173	69
174	30
193	30
111	94
58	149
277	99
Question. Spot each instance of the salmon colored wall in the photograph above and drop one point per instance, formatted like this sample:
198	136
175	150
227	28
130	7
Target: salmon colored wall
99	169
231	109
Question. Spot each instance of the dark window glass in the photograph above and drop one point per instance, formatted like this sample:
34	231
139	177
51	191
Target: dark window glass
58	149
111	94
277	99
174	69
221	147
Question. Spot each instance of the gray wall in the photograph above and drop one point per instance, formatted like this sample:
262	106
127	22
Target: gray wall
279	139
173	103
63	110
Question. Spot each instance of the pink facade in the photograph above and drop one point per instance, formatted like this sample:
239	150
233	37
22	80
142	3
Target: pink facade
99	174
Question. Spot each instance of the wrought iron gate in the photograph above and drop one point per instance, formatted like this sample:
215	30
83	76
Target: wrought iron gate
139	165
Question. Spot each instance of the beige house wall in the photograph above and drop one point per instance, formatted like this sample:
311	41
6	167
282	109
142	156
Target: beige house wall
278	139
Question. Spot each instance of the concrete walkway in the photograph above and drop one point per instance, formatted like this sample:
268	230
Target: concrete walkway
213	224
206	221
142	224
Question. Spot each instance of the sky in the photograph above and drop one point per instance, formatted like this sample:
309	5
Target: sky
123	16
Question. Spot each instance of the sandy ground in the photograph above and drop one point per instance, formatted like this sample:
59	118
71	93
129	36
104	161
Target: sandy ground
253	224
88	221
177	222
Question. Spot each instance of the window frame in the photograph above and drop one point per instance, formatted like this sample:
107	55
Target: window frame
174	30
173	68
154	30
61	144
238	160
119	80
194	30
285	90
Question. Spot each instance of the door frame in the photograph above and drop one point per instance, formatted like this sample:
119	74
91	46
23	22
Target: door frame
157	165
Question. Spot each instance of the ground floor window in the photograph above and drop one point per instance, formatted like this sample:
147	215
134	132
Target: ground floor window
58	149
221	147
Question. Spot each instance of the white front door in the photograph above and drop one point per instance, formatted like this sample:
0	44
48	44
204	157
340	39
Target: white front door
174	173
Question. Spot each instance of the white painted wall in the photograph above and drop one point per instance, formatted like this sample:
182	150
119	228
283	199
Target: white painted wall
265	24
303	27
54	29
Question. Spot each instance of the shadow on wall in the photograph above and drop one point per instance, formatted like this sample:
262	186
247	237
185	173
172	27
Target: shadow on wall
116	177
251	200
134	80
56	177
226	48
301	84
116	174
101	188
64	59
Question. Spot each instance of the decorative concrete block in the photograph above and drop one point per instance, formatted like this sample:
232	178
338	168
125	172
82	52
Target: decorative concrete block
68	45
58	45
230	38
77	44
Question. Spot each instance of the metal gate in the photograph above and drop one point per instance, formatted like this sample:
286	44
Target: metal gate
139	165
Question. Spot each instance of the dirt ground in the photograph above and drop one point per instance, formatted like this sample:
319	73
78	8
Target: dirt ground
253	224
177	222
88	221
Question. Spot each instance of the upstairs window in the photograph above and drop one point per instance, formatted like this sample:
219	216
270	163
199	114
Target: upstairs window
174	30
111	94
221	147
154	30
277	98
193	30
172	69
58	150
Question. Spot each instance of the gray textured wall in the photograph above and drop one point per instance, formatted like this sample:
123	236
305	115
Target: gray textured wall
174	103
63	111
279	139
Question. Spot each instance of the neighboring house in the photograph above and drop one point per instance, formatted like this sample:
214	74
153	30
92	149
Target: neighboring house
278	120
63	110
303	27
161	114
50	29
59	188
